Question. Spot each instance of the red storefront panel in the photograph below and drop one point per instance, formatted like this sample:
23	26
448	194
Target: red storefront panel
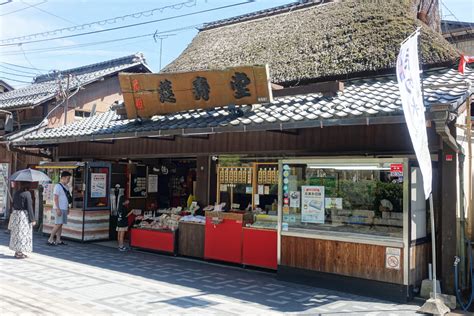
260	248
152	239
223	241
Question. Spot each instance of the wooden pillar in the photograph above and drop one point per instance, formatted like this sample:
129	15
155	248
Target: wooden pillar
448	224
202	180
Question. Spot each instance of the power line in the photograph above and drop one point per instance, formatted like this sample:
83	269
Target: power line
9	79
19	66
13	74
29	62
47	12
132	25
65	47
17	70
114	20
18	10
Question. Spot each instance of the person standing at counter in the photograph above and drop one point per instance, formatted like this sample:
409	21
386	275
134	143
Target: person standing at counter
21	223
62	199
122	222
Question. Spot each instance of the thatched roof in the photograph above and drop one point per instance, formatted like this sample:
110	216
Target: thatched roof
313	42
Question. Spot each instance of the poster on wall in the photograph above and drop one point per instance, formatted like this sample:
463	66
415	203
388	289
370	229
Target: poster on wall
48	193
312	204
98	185
138	181
152	183
295	198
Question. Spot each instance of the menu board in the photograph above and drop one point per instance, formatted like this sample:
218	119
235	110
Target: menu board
138	182
98	185
312	204
48	193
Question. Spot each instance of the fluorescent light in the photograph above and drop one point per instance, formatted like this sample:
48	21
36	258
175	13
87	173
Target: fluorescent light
348	167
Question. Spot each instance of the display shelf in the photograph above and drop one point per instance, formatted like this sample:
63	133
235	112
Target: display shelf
191	239
223	239
259	247
153	239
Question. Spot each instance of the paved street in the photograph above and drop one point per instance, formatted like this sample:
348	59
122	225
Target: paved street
93	279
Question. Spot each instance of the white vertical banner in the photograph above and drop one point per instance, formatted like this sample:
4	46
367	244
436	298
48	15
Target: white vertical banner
409	83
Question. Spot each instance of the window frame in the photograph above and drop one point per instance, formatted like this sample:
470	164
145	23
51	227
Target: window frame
348	236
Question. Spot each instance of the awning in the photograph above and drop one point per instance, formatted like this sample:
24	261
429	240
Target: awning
60	165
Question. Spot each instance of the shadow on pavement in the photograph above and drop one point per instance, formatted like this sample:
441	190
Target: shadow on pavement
242	284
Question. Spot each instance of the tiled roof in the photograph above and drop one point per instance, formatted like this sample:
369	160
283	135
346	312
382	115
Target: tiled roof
361	102
6	85
455	26
46	87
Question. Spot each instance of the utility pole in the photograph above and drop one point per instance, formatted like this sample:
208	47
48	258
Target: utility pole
66	107
161	38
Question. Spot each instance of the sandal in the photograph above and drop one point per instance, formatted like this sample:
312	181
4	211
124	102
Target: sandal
20	256
61	243
51	243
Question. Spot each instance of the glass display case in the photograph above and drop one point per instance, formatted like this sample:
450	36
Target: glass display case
361	198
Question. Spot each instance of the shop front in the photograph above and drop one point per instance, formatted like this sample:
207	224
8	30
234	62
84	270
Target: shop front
348	222
89	215
319	192
358	223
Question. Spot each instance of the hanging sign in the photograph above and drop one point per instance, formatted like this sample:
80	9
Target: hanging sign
409	84
98	185
146	95
396	170
312	208
152	183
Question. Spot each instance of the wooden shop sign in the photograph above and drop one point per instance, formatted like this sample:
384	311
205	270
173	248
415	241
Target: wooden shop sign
146	95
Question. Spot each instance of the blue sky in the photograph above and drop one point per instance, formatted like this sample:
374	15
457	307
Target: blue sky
25	17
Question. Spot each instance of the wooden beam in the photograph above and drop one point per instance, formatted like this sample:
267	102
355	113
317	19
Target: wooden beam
326	88
195	136
168	138
294	132
105	142
447	226
27	152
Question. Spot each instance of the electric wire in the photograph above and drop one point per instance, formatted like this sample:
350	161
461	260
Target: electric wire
130	25
19	66
28	61
25	8
17	70
66	47
13	74
49	13
136	15
10	79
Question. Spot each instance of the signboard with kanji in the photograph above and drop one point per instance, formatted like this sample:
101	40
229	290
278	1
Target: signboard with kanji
146	95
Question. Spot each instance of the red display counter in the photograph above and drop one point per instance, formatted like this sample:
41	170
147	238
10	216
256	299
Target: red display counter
153	239
260	247
223	237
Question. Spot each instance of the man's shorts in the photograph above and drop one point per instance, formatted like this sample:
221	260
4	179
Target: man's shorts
60	219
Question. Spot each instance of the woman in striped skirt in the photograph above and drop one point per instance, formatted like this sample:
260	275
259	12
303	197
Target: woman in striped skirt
22	220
